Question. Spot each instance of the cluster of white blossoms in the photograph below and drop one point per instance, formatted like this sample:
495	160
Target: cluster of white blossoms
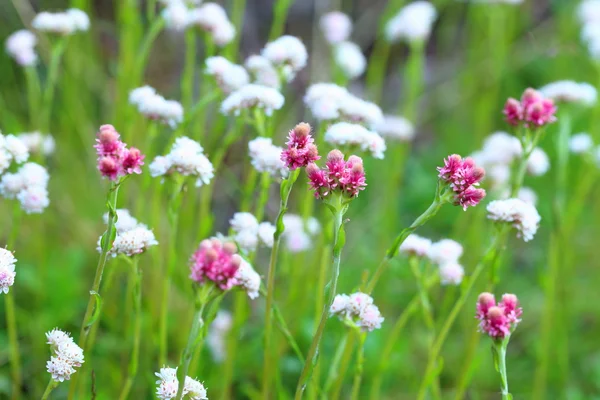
229	76
336	27
298	234
249	233
168	384
248	279
20	46
217	333
262	70
570	92
12	149
330	102
523	216
266	157
156	107
209	17
7	269
287	54
38	143
29	185
132	237
62	23
395	128
412	23
66	355
444	253
253	95
186	158
357	310
588	12
350	59
345	134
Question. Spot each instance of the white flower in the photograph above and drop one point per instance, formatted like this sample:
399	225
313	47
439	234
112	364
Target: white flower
70	352
167	383
16	148
571	92
215	339
37	143
134	241
185	158
10	185
159	166
212	18
538	162
501	148
248	279
357	110
588	11
194	389
243	221
33	174
370	318
527	195
5	159
28	185
80	19
60	369
63	23
395	128
445	251
359	309
176	15
139	95
339	305
350	59
20	46
297	241
125	221
247	240
156	107
590	35
347	134
358	302
581	143
66	355
266	157
336	26
229	76
287	52
524	216
253	95
263	71
415	245
56	337
297	233
412	23
33	199
266	230
451	273
7	270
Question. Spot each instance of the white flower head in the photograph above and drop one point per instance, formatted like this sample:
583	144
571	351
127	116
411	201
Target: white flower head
253	95
248	279
155	107
588	11
527	195
243	221
412	23
445	251
56	337
581	143
60	369
523	216
20	46
38	143
247	240
229	76
395	128
350	59
61	23
370	318
66	355
125	221
354	135
266	230
211	17
185	158
194	389
336	26
538	163
287	52
415	245
263	71
134	241
451	273
570	92
176	15
340	305
358	309
16	148
7	270
266	157
34	199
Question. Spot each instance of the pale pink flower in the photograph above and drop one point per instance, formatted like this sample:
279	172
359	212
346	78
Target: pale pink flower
301	149
462	176
347	177
533	110
215	261
498	320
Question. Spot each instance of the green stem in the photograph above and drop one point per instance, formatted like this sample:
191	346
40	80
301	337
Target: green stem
286	189
151	10
263	198
237	19
187	80
136	277
33	96
144	52
51	386
342	352
48	96
499	348
13	342
279	16
414	79
358	372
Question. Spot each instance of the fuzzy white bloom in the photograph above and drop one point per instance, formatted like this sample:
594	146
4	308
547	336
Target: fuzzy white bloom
253	95
212	18
347	134
297	241
360	111
263	71
34	199
159	166
29	186
266	230
134	241
324	100
17	149
168	385
588	11
349	58
243	221
38	143
229	76
154	106
176	15
451	273
297	233
412	23
336	26
194	389
248	279
266	157
56	337
185	158
60	370
20	46
590	35
538	163
501	148
523	216
395	128
217	332
66	355
339	305
63	23
581	143
571	92
70	352
370	319
7	270
357	309
247	240
415	245
445	251
125	221
527	195
286	52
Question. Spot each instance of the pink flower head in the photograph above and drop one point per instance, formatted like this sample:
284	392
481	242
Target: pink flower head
462	176
217	262
114	159
301	149
133	159
541	112
513	111
484	302
510	305
108	142
498	321
470	197
532	110
354	179
109	167
335	167
347	177
451	165
318	181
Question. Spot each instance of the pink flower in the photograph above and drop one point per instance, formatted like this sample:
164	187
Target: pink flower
462	176
109	167
318	181
217	262
108	142
347	177
133	159
513	111
301	149
498	321
354	179
510	305
114	159
533	109
451	165
470	197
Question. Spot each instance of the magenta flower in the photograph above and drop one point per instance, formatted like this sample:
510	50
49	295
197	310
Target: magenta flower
301	149
345	177
133	159
532	110
114	159
217	262
462	176
498	320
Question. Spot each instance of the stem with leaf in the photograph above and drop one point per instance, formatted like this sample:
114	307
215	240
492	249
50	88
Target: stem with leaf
499	353
51	386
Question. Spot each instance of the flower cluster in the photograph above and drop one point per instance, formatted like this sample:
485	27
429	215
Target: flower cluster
301	149
155	107
263	71
412	23
115	160
533	110
395	128
249	232
570	92
20	46
7	270
132	237
209	17
588	12
266	157
350	59
298	232
38	143
217	333
252	95
66	355
29	185
523	216
462	176
336	27
344	177
498	320
288	54
343	134
62	23
168	384
229	76
444	253
357	310
12	149
185	158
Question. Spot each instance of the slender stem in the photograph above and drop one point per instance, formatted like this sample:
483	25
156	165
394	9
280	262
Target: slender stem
263	198
33	95
286	189
499	348
151	10
237	19
187	80
342	352
279	16
358	372
13	342
51	386
144	52
414	79
205	83
48	96
136	277
312	356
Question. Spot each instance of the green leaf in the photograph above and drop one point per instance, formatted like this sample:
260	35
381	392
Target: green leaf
97	308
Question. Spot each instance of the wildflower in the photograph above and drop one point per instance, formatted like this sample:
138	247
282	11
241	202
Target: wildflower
62	23
412	23
250	96
336	27
29	186
527	195
588	11
185	158
354	135
538	162
344	177
266	157
462	176
66	355
215	261
286	53
298	233
217	332
570	92
532	110
133	241
20	46
229	76
211	17
168	384
301	150
498	321
324	100
266	230
156	107
263	71
114	159
357	310
248	279
125	221
451	273
248	232
395	128
350	59
415	245
581	143
38	143
176	15
14	148
523	216
7	270
445	251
